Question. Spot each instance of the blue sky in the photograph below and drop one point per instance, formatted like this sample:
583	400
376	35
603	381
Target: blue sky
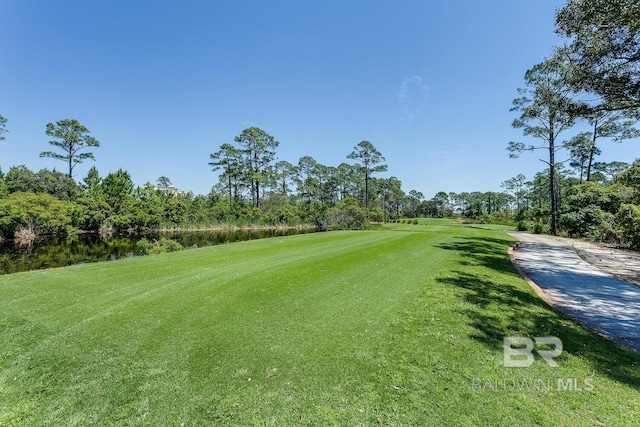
163	84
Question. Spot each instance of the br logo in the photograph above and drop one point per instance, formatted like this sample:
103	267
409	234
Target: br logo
518	351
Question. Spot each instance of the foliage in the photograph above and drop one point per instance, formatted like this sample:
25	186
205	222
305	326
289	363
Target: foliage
283	174
259	150
540	227
70	137
279	210
630	176
21	179
90	213
605	232
164	245
3	127
42	213
582	221
92	181
57	184
164	182
4	191
607	197
628	220
333	197
370	161
610	170
603	41
522	226
117	190
229	159
546	109
583	149
346	215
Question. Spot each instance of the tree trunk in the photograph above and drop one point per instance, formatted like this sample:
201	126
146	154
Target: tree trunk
230	195
384	208
552	184
70	165
253	192
257	194
366	191
593	148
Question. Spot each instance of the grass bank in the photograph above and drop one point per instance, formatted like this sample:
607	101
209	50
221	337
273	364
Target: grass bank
401	326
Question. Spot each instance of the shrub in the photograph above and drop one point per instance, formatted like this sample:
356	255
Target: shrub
346	215
144	246
119	222
147	247
41	213
605	232
580	222
540	227
167	245
628	220
522	226
89	213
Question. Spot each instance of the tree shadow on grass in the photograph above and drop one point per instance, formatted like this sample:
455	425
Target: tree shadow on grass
502	307
487	252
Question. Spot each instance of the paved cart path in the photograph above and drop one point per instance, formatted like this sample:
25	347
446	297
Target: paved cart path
598	299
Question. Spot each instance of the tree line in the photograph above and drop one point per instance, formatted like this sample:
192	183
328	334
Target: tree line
592	80
254	188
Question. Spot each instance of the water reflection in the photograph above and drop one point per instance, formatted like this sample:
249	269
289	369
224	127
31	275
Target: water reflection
62	251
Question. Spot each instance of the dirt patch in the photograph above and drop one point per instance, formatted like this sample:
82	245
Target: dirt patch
621	263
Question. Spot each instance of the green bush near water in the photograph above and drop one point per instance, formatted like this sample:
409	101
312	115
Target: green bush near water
164	245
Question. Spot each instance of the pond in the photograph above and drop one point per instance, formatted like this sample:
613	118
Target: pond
82	248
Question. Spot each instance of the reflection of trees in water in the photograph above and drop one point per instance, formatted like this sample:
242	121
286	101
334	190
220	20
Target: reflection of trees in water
41	253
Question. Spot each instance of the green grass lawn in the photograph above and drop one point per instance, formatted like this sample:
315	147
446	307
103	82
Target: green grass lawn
402	326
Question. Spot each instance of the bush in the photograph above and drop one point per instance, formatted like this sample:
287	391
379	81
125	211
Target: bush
499	217
628	220
89	213
167	245
147	247
580	222
120	222
376	215
522	226
346	215
605	232
540	227
144	246
40	213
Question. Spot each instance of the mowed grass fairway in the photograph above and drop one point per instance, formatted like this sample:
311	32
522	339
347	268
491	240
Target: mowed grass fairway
402	326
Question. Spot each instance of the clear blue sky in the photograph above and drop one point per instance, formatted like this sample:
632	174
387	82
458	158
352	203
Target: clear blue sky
162	84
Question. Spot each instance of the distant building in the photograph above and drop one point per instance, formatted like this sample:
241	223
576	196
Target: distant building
171	189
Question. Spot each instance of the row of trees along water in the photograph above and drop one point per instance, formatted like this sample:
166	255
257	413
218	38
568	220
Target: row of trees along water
254	188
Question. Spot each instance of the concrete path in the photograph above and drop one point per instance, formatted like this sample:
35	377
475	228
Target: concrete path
600	300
